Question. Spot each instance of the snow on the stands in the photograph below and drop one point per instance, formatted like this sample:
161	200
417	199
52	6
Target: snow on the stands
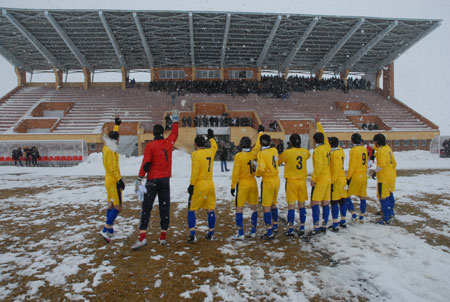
369	261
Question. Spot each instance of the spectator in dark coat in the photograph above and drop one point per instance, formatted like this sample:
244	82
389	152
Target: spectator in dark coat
223	153
34	156
16	155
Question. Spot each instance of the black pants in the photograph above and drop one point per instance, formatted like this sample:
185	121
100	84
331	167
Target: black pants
160	187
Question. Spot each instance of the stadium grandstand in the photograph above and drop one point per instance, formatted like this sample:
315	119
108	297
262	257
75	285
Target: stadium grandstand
242	69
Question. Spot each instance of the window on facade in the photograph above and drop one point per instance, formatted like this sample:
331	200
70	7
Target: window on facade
397	143
415	143
423	142
207	74
406	143
92	146
241	74
171	74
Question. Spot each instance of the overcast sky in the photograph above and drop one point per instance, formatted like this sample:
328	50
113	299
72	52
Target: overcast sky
421	74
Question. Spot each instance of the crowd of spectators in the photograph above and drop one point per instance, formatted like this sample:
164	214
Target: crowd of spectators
369	126
30	155
223	120
270	86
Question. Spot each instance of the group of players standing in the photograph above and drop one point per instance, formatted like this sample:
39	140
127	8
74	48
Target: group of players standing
329	182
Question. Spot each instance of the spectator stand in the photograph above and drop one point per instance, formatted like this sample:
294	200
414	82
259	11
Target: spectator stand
52	152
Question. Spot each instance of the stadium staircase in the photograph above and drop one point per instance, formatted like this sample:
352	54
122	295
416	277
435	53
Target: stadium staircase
98	105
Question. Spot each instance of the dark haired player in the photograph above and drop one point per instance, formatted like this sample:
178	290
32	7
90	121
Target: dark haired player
202	194
268	169
244	186
157	165
357	176
295	173
338	182
113	180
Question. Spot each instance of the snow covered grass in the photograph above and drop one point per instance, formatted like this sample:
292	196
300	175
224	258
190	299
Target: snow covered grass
50	250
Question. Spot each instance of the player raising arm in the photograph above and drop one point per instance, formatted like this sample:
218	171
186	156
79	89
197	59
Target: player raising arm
202	194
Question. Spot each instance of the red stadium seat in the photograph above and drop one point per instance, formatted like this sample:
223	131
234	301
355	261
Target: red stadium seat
8	158
44	158
50	158
56	158
63	158
69	157
2	158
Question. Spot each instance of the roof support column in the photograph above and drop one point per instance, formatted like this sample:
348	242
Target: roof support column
319	74
194	75
21	76
58	78
286	73
124	77
87	78
378	77
152	73
222	73
388	81
344	76
258	75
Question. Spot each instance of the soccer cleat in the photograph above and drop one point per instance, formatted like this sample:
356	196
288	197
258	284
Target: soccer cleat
238	237
106	235
210	236
315	232
300	233
162	242
343	225
250	235
289	234
267	237
192	239
383	222
334	230
323	229
139	244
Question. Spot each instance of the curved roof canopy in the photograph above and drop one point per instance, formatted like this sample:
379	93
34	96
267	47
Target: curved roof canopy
110	39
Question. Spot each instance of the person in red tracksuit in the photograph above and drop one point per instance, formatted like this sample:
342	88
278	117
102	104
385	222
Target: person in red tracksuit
157	164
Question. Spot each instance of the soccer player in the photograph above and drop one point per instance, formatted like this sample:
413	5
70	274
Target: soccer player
295	173
244	186
268	168
320	180
113	180
338	182
357	176
202	194
386	175
157	165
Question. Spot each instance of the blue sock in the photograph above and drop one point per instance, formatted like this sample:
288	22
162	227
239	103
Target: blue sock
112	216
105	229
290	219
362	208
385	209
392	203
349	203
108	210
191	222
335	214
111	230
316	215
302	212
240	223
275	218
254	221
325	214
211	222
268	222
343	210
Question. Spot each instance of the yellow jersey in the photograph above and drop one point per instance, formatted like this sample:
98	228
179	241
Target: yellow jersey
386	164
267	162
358	161
295	163
321	158
337	164
245	164
202	163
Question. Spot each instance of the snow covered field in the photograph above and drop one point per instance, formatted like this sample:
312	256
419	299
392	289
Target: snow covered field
50	250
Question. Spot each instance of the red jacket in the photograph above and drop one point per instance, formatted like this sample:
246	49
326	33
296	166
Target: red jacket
158	154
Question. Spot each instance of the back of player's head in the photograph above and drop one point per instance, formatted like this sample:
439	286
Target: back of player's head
245	142
295	140
158	130
356	138
200	141
334	142
265	140
113	135
380	139
319	138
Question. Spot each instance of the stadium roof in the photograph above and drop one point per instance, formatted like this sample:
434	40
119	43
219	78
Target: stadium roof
109	39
